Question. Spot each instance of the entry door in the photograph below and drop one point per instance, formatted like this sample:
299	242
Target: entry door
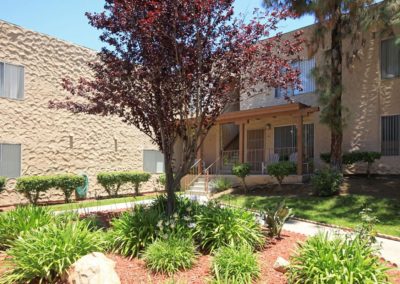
255	149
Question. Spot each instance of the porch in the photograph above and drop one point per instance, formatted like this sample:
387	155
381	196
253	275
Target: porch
260	137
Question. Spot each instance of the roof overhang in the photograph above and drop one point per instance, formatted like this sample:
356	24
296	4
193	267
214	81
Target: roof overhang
294	109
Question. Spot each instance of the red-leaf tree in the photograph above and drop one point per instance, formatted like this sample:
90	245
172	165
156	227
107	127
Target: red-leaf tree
169	68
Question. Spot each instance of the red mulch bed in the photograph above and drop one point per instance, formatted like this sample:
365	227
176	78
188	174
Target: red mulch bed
134	271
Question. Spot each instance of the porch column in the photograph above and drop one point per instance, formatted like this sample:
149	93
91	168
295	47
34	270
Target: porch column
299	126
241	142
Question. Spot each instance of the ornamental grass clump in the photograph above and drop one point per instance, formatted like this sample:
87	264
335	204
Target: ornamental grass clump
21	220
217	227
170	255
44	254
235	265
336	259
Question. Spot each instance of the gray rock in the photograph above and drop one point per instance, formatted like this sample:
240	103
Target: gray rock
281	264
94	268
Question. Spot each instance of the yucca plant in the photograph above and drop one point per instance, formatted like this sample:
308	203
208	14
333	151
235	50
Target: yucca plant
336	259
235	265
275	219
217	227
170	255
20	220
42	255
133	231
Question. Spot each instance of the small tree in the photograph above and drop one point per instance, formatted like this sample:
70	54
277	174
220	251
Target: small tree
242	171
170	68
369	158
281	170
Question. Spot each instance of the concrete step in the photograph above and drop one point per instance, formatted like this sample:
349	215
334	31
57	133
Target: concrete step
197	188
195	192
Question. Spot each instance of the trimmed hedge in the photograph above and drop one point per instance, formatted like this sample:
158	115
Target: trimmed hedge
355	157
112	181
3	181
32	186
242	171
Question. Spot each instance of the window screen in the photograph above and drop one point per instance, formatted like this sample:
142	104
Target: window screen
306	77
10	160
390	137
153	161
285	140
11	81
390	58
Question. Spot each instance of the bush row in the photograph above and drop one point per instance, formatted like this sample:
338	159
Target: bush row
112	181
355	157
32	186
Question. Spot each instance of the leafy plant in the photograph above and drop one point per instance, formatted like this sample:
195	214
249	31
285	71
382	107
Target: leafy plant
3	181
32	186
242	171
44	254
281	170
112	181
275	219
133	231
326	182
68	183
366	230
170	255
235	265
217	227
162	179
336	259
21	220
221	184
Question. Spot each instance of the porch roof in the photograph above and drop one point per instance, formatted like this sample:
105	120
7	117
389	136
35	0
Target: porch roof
286	109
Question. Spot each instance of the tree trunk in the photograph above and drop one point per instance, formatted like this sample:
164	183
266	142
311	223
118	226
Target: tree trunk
169	180
336	92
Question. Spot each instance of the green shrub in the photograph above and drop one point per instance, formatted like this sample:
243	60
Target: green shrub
281	170
170	255
112	181
21	220
242	171
133	231
235	265
336	259
42	255
275	219
217	227
221	184
68	183
32	186
3	181
162	179
183	205
326	182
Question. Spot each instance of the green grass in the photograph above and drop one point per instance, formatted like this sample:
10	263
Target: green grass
337	210
100	202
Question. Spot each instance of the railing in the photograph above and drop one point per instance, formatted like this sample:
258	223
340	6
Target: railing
192	175
212	169
255	157
289	154
228	159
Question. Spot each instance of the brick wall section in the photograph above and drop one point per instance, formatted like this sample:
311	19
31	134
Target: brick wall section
44	133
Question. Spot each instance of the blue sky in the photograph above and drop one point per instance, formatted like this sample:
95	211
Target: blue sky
65	19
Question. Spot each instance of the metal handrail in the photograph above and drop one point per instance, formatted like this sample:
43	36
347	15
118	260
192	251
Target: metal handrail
188	184
207	172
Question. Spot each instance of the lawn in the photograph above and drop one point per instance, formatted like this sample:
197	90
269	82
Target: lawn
99	202
340	210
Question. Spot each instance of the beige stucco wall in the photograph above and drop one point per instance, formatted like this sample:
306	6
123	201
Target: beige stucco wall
45	134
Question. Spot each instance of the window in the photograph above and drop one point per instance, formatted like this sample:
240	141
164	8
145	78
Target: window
10	160
390	58
307	79
390	138
11	81
153	161
285	141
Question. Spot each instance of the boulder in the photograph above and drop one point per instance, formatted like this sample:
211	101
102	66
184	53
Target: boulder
281	264
94	268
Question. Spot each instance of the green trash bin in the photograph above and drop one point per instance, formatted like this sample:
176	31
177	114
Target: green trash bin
81	191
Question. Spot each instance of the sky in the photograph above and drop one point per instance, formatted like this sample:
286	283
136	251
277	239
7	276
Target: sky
65	19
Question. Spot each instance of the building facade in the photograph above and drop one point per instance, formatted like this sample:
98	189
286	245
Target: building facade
266	128
36	140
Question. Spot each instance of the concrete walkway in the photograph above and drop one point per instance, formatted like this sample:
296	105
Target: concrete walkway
390	250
